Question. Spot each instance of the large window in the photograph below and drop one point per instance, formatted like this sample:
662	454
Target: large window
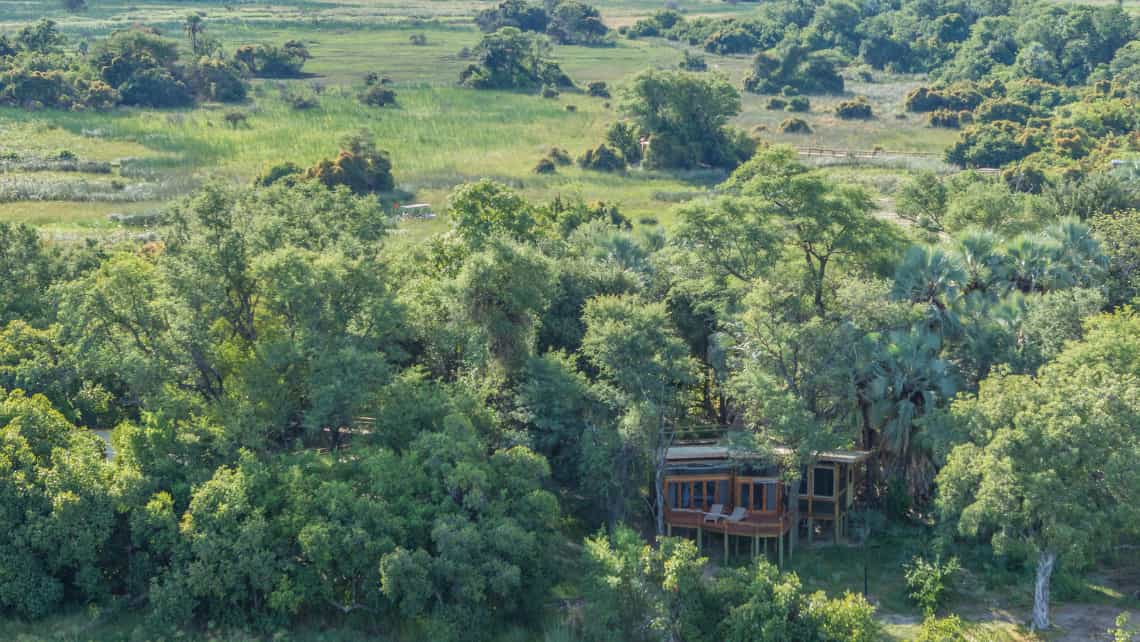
760	495
695	494
824	481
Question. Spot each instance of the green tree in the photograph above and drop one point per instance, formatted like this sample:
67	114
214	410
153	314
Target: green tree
484	209
631	344
1051	458
57	508
827	222
195	26
685	115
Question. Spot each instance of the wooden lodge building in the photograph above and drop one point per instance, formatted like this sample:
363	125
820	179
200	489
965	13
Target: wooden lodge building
742	495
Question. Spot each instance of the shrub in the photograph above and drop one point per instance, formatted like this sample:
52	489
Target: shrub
571	108
775	103
947	629
799	104
693	62
598	89
626	139
236	119
1024	178
733	40
944	118
359	166
787	91
505	60
545	166
795	126
858	109
418	39
300	101
1013	111
550	92
217	80
286	173
929	581
602	159
924	99
268	61
378	96
559	156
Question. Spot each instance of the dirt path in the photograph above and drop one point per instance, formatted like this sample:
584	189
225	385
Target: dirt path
1071	622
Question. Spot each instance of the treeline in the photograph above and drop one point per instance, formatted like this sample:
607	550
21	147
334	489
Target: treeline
133	67
950	39
307	426
566	22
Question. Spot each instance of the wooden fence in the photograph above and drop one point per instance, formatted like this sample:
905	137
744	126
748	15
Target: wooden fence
828	152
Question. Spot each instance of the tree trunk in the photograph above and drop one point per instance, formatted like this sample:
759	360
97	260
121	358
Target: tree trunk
1045	562
658	493
618	490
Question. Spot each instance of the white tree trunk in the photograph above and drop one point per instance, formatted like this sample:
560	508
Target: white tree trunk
1045	562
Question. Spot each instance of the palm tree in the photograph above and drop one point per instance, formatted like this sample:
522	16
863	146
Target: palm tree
904	381
931	276
1080	258
985	267
194	26
1031	262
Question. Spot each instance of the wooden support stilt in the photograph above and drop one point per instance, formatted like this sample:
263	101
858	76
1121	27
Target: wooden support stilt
780	549
755	545
811	530
669	530
765	547
726	546
698	539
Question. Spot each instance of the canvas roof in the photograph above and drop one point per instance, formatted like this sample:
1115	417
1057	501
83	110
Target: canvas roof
706	452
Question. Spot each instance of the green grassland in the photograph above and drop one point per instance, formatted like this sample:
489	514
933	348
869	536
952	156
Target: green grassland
438	135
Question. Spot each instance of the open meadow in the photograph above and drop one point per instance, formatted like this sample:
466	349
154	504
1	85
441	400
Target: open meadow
438	134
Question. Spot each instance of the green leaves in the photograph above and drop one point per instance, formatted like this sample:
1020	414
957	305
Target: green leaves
1052	457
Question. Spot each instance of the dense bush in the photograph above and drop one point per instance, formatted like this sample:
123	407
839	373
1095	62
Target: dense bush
626	139
130	67
638	593
947	118
685	116
796	66
929	581
598	89
359	166
568	22
991	145
795	126
378	96
692	62
925	99
602	159
858	109
799	104
269	61
511	59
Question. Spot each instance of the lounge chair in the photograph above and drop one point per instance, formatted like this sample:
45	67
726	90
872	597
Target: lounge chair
738	514
715	514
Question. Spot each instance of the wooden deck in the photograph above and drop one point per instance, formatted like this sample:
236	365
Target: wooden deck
750	526
757	530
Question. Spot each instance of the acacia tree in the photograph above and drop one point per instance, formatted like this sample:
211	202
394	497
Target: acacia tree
643	362
828	223
1052	459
